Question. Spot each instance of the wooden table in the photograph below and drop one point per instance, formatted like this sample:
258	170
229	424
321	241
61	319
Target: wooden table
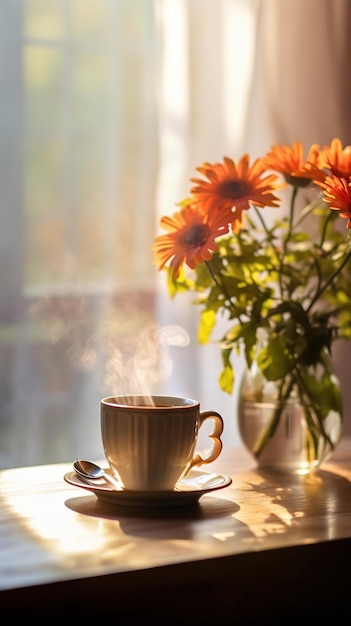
269	545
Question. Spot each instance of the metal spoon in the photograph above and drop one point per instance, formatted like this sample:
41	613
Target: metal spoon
91	471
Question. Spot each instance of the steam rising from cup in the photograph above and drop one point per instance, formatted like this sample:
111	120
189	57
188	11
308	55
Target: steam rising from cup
129	354
134	364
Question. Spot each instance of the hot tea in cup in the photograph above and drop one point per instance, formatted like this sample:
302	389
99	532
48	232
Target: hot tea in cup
150	443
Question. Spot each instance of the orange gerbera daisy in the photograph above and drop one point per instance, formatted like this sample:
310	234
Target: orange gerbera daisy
337	194
337	159
289	161
191	237
231	186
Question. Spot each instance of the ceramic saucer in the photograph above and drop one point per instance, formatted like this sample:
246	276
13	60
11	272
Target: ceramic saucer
188	491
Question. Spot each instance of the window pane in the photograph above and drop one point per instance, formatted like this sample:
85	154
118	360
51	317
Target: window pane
90	150
43	165
44	19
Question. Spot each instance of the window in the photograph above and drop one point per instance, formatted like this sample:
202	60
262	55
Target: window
79	156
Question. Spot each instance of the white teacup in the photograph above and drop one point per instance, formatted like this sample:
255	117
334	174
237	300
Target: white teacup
150	442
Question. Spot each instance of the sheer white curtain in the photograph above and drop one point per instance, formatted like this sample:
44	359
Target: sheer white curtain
107	107
206	79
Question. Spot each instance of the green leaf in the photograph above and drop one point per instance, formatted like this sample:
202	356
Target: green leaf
275	360
226	379
206	325
324	395
181	284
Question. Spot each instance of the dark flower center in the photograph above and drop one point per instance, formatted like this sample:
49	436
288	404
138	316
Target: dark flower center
233	189
297	181
195	236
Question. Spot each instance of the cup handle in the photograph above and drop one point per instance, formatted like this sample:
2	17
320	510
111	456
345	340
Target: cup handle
215	435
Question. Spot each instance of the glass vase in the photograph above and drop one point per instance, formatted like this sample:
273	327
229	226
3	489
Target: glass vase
295	434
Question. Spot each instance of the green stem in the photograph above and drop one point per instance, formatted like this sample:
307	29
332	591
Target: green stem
306	211
269	431
291	218
264	225
314	418
270	239
325	227
329	281
287	239
221	286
